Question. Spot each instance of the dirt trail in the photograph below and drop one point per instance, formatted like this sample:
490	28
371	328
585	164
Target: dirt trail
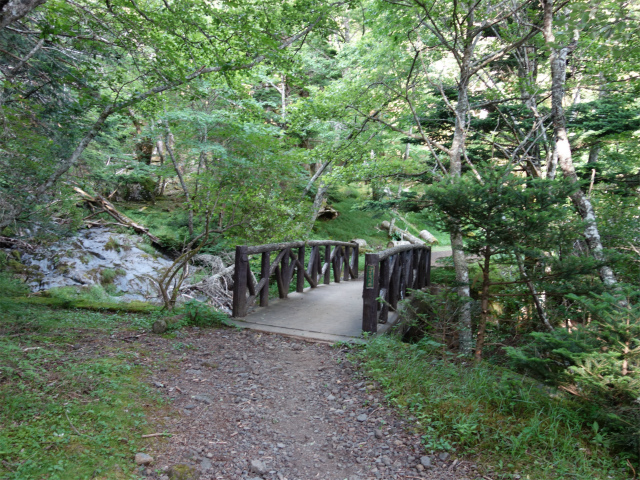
246	405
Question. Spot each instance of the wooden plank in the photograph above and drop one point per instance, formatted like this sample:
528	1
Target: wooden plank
384	290
370	293
308	277
239	309
282	292
326	270
428	269
312	268
394	287
300	271
392	251
346	258
265	273
251	283
409	267
355	260
337	251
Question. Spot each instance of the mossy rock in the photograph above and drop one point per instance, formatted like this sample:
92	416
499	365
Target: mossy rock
161	325
183	472
17	267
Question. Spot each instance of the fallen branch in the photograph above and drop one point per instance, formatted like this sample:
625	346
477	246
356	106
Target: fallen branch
108	208
425	236
156	435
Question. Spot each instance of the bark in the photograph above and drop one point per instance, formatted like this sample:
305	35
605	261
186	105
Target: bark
185	189
484	302
558	60
12	10
534	294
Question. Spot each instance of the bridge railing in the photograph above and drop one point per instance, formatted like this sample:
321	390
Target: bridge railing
289	259
388	275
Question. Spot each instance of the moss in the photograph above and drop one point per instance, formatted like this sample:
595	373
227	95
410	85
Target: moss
107	276
17	267
183	472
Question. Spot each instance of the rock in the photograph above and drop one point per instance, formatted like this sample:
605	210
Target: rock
258	467
331	397
143	459
191	406
419	468
158	384
444	456
203	398
386	460
362	417
206	465
159	326
183	472
377	433
425	461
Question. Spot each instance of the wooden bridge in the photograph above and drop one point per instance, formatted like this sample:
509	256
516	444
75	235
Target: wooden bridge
338	310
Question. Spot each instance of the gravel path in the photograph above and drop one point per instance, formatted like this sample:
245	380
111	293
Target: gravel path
247	405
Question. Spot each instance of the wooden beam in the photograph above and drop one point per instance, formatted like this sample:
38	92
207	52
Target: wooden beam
239	309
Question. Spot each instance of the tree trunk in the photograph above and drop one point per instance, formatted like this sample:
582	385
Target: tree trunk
484	302
457	244
181	178
582	203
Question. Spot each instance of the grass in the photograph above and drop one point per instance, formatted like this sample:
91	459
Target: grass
353	223
507	423
67	413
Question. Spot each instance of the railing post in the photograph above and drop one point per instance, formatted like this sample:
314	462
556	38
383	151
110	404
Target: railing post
428	274
347	274
370	293
327	260
240	282
300	272
355	258
336	263
384	289
264	273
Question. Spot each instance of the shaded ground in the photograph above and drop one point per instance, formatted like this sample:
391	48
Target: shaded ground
297	410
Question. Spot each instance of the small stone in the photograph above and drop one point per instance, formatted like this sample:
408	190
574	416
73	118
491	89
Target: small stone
143	459
280	445
159	326
258	467
158	384
331	397
362	417
191	406
205	465
444	456
193	371
419	468
164	477
329	455
386	460
203	398
377	433
425	461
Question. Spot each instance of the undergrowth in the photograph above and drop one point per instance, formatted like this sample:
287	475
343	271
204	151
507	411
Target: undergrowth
508	423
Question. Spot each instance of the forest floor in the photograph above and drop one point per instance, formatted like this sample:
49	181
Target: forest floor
247	405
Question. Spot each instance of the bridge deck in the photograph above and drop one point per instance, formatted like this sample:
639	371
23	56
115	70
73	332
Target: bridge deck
330	313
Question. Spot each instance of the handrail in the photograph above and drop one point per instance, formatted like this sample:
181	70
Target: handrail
343	258
270	247
388	275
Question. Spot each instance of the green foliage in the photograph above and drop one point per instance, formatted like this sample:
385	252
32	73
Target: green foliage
67	414
598	360
508	422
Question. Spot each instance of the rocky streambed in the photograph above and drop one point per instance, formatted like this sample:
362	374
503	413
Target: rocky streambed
123	264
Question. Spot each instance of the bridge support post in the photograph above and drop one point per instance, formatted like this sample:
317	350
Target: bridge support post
370	293
240	282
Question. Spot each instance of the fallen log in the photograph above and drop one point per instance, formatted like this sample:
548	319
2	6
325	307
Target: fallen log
405	235
108	208
397	243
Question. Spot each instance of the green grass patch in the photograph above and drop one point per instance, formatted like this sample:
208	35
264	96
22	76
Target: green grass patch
73	405
355	223
506	422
